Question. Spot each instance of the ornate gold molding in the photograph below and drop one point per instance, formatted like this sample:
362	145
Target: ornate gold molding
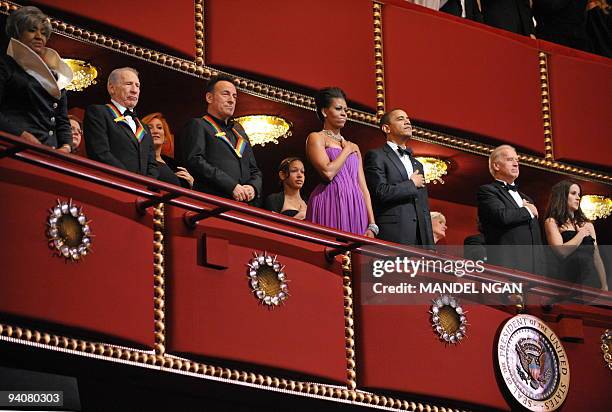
546	113
134	357
284	96
606	347
349	331
159	311
379	59
200	42
430	136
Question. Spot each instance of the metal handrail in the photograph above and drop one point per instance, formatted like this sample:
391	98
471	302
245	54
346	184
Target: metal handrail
340	241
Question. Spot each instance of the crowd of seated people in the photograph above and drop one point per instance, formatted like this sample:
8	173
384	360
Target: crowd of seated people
380	194
581	24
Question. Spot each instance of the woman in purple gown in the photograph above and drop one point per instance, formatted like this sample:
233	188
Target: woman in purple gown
342	201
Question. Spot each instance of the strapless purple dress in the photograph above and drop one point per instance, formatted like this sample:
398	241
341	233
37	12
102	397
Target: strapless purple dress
339	204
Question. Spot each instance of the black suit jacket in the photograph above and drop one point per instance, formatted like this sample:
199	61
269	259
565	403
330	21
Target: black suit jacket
26	106
511	15
472	12
401	210
114	143
215	166
504	223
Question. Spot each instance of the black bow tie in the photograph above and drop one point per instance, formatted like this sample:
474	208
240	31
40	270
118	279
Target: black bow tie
129	112
404	152
511	187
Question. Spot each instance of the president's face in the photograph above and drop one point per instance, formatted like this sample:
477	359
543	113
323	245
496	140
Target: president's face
506	166
222	100
399	125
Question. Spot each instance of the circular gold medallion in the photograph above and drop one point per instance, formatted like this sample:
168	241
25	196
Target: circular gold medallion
448	319
267	279
68	231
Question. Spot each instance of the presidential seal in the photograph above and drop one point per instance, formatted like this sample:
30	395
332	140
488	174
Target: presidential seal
533	363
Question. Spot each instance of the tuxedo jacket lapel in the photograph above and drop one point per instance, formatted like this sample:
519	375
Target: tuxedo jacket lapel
506	195
396	161
127	131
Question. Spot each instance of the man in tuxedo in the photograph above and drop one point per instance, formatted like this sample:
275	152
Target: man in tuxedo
469	9
508	217
512	15
217	152
113	133
397	185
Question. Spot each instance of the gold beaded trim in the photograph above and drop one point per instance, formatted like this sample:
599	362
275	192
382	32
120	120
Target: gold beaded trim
606	347
379	59
349	331
199	33
159	307
296	99
429	136
24	336
546	113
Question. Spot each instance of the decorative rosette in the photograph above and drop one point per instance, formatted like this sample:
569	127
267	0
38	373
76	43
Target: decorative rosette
448	319
267	279
68	231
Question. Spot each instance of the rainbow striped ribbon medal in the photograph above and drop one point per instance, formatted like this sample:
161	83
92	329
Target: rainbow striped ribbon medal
241	143
118	118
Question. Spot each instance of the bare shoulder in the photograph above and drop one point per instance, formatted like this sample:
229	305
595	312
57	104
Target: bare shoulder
551	223
315	138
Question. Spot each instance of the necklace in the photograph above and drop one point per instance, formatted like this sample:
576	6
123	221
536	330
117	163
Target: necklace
337	137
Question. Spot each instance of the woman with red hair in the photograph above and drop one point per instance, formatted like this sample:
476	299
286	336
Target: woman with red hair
163	142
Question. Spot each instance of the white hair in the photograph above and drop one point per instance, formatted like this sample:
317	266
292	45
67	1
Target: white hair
495	155
113	77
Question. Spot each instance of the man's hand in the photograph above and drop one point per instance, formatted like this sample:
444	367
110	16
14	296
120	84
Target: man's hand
418	179
65	148
531	207
243	193
250	190
30	138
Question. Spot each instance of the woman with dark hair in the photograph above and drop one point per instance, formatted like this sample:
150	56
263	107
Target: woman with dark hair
342	201
599	26
33	80
169	171
289	201
573	237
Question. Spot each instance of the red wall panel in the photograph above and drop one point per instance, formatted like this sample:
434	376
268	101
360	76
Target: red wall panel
461	220
589	377
314	43
398	350
581	99
214	313
171	24
463	77
110	292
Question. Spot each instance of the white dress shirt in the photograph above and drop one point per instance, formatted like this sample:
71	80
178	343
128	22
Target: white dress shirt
404	159
129	119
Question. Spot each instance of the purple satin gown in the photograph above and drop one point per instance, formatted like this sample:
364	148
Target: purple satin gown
339	204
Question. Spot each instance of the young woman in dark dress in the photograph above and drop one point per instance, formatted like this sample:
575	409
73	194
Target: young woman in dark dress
573	237
169	171
289	202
